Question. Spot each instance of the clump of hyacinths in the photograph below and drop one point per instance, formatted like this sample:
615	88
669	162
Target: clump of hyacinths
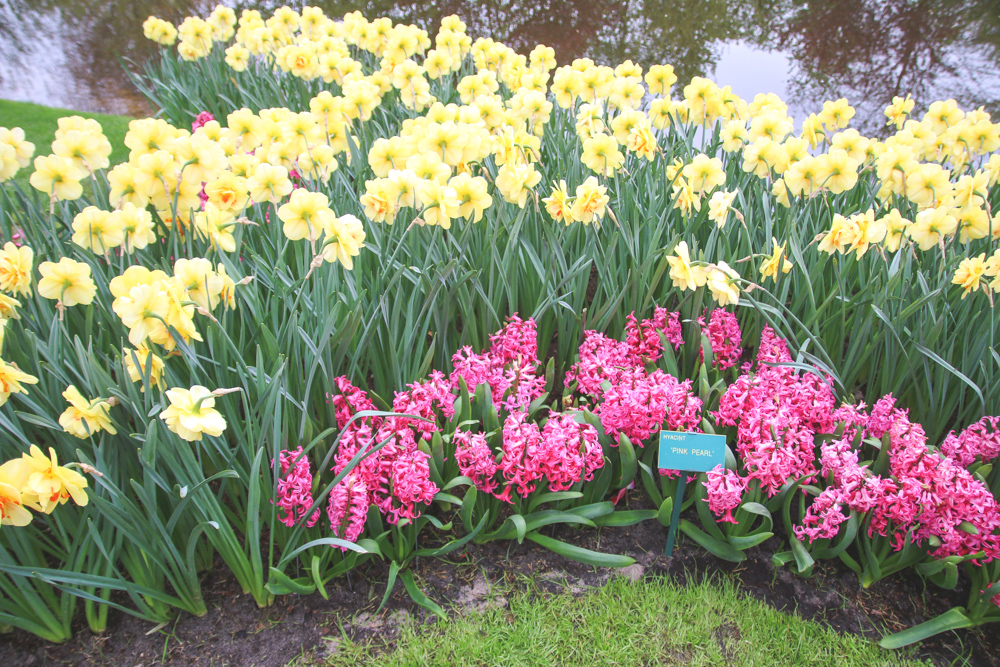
486	427
860	485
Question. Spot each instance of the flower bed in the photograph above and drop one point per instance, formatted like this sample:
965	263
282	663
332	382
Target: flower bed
542	266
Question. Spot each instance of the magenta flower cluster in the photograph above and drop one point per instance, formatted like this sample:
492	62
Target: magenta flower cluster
777	412
723	332
510	366
725	492
927	497
629	399
563	452
347	508
294	488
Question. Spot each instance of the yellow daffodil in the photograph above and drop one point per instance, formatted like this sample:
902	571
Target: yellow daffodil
12	381
47	484
12	511
704	173
380	200
776	262
15	268
58	176
836	114
228	192
13	139
301	215
191	413
137	226
895	228
67	281
932	226
660	78
440	203
217	225
8	308
686	198
343	239
137	373
472	195
601	155
515	182
83	418
685	275
591	200
719	206
97	230
559	205
971	273
836	171
862	230
198	277
723	282
897	112
144	310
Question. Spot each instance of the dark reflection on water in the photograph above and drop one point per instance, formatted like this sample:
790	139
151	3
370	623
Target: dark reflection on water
64	52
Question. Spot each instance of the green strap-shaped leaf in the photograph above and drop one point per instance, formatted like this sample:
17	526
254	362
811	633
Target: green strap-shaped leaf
468	507
627	454
322	541
953	619
453	545
552	497
625	517
317	578
419	597
718	548
579	554
594	510
666	511
280	583
389	584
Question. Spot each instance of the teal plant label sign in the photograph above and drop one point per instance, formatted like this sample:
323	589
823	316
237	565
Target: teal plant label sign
694	452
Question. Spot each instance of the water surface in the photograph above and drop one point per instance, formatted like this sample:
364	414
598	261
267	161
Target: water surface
66	52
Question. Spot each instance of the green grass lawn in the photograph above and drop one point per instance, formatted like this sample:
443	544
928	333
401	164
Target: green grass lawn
649	622
40	122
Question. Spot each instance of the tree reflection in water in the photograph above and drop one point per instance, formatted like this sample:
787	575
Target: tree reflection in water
869	51
865	50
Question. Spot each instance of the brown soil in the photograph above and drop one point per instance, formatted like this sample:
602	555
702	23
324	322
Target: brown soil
236	632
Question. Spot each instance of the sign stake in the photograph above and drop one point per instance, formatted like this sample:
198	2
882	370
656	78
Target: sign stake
675	515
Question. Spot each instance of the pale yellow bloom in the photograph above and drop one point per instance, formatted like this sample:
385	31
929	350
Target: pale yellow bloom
683	273
67	281
723	282
12	381
192	414
970	274
12	511
559	205
776	262
591	201
138	373
15	268
84	418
